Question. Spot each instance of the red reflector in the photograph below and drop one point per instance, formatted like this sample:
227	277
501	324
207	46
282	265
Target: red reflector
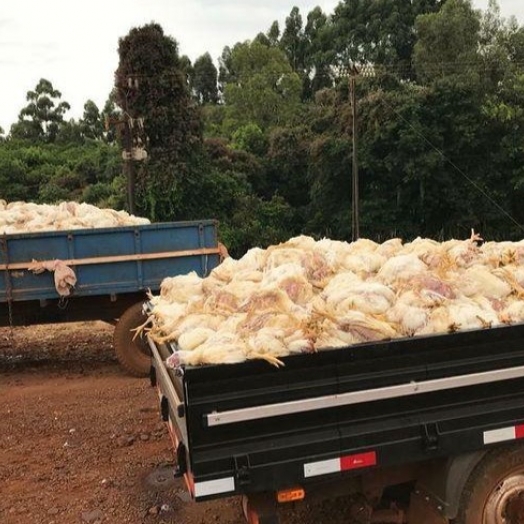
362	460
519	431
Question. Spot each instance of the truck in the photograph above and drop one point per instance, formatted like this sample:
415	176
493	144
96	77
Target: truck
418	430
115	268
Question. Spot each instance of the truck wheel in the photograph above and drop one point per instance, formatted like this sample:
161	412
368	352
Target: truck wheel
133	355
494	494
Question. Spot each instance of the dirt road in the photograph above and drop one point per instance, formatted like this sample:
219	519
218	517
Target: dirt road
82	442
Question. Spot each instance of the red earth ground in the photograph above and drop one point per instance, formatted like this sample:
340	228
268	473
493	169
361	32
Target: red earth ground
82	442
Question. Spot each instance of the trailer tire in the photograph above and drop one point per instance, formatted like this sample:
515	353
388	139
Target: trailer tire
494	493
134	355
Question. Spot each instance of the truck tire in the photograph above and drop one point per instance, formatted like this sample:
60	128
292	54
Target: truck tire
494	493
134	355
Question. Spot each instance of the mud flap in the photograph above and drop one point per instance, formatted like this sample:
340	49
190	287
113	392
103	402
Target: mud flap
260	508
422	509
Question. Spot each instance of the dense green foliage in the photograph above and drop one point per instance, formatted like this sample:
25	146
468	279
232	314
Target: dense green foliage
263	142
44	173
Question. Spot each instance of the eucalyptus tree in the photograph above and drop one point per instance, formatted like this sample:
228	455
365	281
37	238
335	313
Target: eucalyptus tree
378	31
448	42
204	80
273	33
292	40
225	68
319	54
91	123
110	113
44	114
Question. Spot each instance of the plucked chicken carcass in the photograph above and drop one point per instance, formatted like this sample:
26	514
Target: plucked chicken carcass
26	217
304	296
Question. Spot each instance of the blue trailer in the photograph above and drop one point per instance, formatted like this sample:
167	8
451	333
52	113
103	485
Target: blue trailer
114	269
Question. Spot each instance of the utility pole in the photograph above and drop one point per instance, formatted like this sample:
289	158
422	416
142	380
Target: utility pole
355	225
129	167
133	152
131	131
366	70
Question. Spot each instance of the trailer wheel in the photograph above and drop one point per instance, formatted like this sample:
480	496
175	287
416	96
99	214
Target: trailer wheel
133	355
494	494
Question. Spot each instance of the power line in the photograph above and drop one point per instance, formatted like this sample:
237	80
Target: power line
446	159
398	68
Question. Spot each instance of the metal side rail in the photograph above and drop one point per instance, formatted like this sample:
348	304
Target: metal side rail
168	388
357	397
171	404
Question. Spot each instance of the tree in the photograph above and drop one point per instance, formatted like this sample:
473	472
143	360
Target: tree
205	80
42	117
261	88
153	95
225	69
273	34
328	176
403	179
292	40
110	113
318	53
308	49
92	124
377	31
502	51
288	163
186	66
448	42
151	84
263	39
43	172
250	138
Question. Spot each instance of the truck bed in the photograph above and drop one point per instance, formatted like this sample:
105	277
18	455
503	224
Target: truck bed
114	267
251	427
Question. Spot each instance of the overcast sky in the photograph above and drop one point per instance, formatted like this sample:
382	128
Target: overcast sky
74	44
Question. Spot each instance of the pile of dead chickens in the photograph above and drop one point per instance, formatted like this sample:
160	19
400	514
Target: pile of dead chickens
306	296
27	217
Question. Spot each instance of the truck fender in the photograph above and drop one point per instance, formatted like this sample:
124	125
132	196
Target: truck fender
444	481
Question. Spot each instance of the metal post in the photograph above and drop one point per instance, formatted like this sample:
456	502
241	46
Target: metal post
130	137
355	226
129	168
